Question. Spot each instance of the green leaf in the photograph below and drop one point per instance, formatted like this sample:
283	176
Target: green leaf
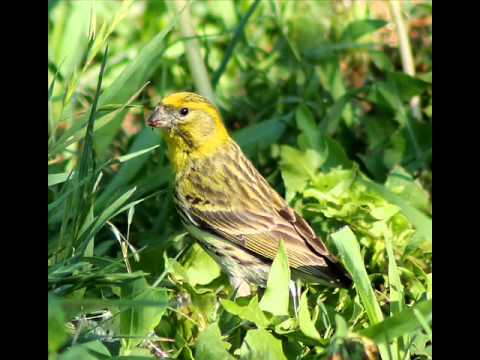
144	142
331	51
129	81
92	350
51	120
138	322
422	222
239	33
78	130
260	344
298	167
294	161
95	304
305	322
57	332
342	326
331	122
395	284
427	77
331	77
336	156
210	345
101	37
58	178
403	184
260	135
429	286
286	326
176	269
82	199
423	322
421	345
251	312
310	137
397	90
381	60
397	296
398	325
349	250
276	297
407	86
93	225
52	4
136	154
133	357
200	268
74	38
356	29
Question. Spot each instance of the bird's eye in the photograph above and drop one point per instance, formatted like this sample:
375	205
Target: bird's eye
183	111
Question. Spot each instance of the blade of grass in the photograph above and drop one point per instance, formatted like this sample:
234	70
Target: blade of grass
78	131
80	197
144	142
71	187
129	206
128	82
349	250
398	325
102	303
106	30
135	154
282	27
90	228
423	322
166	206
197	67
239	32
94	43
58	178
51	121
74	37
87	159
422	223
396	295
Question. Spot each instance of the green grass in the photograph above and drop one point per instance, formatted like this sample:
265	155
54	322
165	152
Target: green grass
315	94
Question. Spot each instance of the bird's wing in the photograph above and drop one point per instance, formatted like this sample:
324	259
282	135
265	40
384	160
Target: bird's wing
249	213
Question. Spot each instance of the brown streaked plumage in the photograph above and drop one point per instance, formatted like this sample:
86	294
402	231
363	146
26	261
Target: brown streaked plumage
228	205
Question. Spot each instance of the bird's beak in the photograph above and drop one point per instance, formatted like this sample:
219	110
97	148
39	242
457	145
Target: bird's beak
160	118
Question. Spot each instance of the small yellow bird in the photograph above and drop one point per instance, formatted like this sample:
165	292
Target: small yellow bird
229	207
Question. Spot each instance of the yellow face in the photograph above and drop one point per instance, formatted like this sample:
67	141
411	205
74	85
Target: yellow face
192	124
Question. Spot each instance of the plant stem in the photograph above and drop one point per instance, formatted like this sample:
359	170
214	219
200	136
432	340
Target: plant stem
192	48
405	50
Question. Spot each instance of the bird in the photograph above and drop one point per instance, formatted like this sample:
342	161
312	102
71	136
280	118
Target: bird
228	206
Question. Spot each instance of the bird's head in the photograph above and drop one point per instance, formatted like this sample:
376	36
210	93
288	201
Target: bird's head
193	125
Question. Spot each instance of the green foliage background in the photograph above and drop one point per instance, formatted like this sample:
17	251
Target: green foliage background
316	94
